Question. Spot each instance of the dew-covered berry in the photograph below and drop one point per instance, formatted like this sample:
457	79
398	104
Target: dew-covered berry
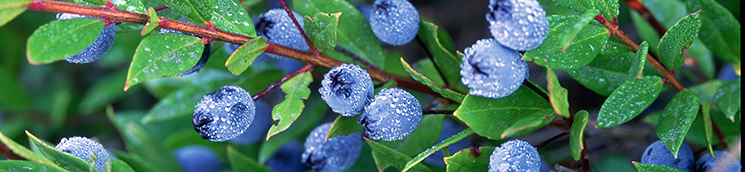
724	162
276	26
393	115
517	24
259	127
492	70
335	154
197	158
95	50
286	158
347	89
657	153
224	114
514	156
81	147
394	22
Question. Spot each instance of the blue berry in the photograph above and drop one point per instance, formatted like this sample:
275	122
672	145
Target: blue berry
335	154
286	158
728	73
81	147
657	153
394	22
393	115
518	24
276	26
449	128
724	162
224	114
95	50
492	70
513	156
197	158
259	127
347	89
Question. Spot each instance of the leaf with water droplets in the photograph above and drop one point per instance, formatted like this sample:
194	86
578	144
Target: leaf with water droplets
163	55
245	55
530	122
644	167
386	157
576	134
608	8
436	41
91	2
61	39
322	28
728	98
677	38
229	15
23	165
452	139
468	161
9	9
296	92
421	139
637	69
152	24
575	26
557	94
677	118
581	50
445	92
128	5
344	126
62	159
196	11
628	101
720	30
607	72
24	152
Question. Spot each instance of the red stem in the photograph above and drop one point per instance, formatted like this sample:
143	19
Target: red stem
544	143
355	57
307	67
302	32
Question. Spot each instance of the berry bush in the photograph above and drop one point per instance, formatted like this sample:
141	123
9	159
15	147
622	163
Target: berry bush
370	85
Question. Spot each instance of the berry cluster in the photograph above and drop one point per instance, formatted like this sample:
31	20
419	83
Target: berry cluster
95	50
197	158
81	147
224	114
513	156
335	154
658	154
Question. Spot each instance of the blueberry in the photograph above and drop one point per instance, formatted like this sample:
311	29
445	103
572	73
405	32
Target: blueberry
517	24
276	26
727	73
492	70
657	153
257	130
197	158
449	128
335	154
724	162
286	158
347	89
224	114
394	22
95	50
393	115
513	156
81	147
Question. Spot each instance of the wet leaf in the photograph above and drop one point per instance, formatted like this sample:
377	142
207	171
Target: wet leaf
152	24
128	5
580	52
637	69
322	29
9	9
720	30
468	161
26	153
557	94
231	16
385	157
344	126
608	8
644	167
574	26
677	118
577	133
628	101
310	118
163	55
531	122
245	55
60	39
677	38
64	160
728	98
21	165
196	11
452	139
445	92
115	165
286	112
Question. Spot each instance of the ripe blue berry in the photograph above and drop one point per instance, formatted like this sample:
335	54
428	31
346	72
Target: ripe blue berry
394	22
95	50
197	158
81	147
724	162
727	72
286	158
276	26
335	154
492	70
513	156
258	128
224	114
347	89
657	153
449	128
517	24
393	115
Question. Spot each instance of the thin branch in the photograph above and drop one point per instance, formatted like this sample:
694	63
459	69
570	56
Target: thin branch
307	67
644	12
357	58
438	112
556	137
302	32
585	161
162	7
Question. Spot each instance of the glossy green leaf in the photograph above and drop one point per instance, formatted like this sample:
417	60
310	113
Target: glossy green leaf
385	157
557	94
104	91
196	11
310	118
677	118
134	161
728	98
468	161
60	39
628	101
577	133
677	38
163	55
604	74
644	167
530	123
322	29
178	104
115	165
240	162
580	52
354	34
574	26
231	16
140	142
20	165
637	69
64	160
427	68
129	5
445	92
421	139
720	30
91	2
614	46
245	55
152	24
608	8
708	127
286	112
452	139
9	9
26	153
491	117
706	91
344	125
444	59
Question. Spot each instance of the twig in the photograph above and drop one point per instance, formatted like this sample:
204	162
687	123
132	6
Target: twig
438	112
162	7
644	12
585	159
544	143
357	58
307	67
302	32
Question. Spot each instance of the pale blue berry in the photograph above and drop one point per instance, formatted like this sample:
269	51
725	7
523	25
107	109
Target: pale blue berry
286	158
514	156
724	162
394	22
276	26
224	114
335	154
517	24
657	153
81	147
492	70
259	126
95	50
197	158
347	89
393	115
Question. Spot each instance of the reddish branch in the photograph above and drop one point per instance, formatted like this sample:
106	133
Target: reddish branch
257	96
9	153
644	12
544	143
302	32
438	111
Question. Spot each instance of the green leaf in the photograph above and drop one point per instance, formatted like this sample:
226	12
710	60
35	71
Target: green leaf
196	11
574	26
708	127
644	167
445	92
177	104
637	69
608	8
354	34
628	101
491	117
310	119
581	50
427	68
677	38
229	15
557	94
604	74
13	97
128	5
92	162
9	9
64	160
105	91
152	24
20	165
385	157
163	55
322	29
677	118
61	39
344	126
468	161
91	2
134	161
140	142
286	112
26	153
452	139
445	59
240	162
421	139
245	55
532	122
720	30
577	133
115	165
614	46
728	98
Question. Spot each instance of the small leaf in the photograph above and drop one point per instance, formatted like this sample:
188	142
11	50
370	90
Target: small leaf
322	29
20	165
677	38
445	60
152	24
390	157
286	112
240	162
310	118
581	50
468	161
178	104
577	133
128	5
637	69
532	122
728	98
231	16
245	55
452	139
64	160
26	153
344	126
104	91
61	39
720	30
445	92
196	11
708	127
628	101
644	167
163	55
92	162
574	26
557	94
9	9
677	118
115	165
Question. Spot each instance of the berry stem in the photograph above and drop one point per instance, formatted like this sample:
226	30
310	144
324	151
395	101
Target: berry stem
307	67
585	159
162	7
425	112
544	143
302	32
355	57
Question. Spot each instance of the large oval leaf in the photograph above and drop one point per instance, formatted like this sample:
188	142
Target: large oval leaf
720	30
385	157
728	98
163	55
9	9
677	118
196	11
60	39
607	72
580	51
608	8
467	160
229	15
19	150
245	55
628	101
677	38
